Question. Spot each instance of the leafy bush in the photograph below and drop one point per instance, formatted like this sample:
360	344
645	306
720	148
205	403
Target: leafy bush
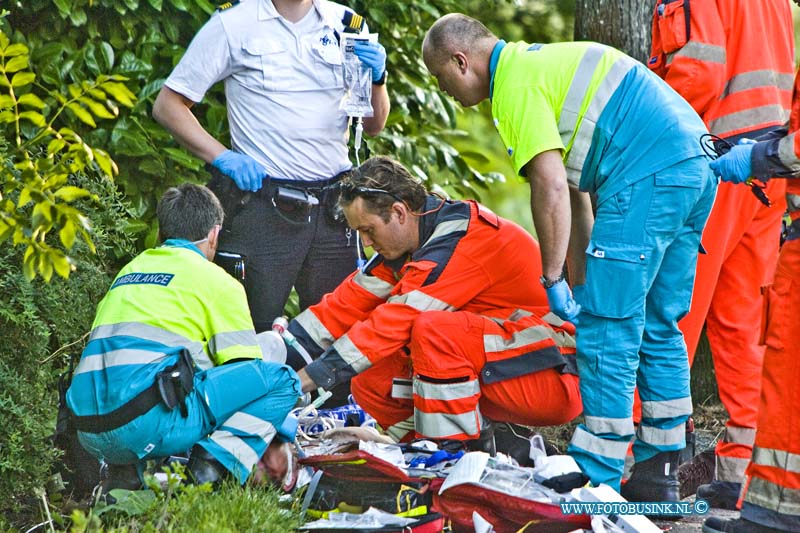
42	150
41	325
143	40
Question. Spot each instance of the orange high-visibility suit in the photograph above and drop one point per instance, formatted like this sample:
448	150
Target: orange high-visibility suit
771	496
450	335
733	62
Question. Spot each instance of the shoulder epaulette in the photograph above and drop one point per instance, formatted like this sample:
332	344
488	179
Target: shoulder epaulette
227	5
352	21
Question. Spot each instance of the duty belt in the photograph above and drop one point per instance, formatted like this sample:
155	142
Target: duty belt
170	387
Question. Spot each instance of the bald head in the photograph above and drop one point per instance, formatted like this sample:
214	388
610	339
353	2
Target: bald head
456	32
457	50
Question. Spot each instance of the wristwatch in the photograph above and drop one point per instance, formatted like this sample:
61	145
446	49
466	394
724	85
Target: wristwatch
547	283
382	80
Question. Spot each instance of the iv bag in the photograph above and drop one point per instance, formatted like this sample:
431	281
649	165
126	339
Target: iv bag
357	99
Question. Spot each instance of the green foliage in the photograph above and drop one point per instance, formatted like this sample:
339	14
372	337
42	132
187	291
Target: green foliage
178	507
143	39
41	324
42	149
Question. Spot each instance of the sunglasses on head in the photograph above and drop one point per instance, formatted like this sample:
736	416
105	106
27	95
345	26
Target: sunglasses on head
353	190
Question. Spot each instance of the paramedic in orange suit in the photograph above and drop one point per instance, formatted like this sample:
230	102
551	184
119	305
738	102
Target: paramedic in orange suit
447	325
771	493
732	60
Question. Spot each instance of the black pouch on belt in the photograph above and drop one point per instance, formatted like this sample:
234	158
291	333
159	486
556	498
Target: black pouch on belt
176	382
330	200
232	198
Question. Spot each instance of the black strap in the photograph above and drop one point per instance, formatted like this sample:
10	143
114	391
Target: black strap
138	406
687	18
181	379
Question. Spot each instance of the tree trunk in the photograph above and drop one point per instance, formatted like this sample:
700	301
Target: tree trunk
623	24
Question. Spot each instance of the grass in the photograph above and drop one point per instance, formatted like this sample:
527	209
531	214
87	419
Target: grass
183	508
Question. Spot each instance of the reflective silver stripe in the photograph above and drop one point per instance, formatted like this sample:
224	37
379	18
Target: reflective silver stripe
441	425
583	137
446	391
553	319
786	153
740	435
577	92
125	356
748	118
772	496
702	51
777	458
234	444
525	337
155	334
667	408
397	431
792	202
730	468
758	78
147	332
315	329
421	301
222	341
616	426
373	285
202	360
593	444
446	228
570	110
564	339
519	314
351	354
661	437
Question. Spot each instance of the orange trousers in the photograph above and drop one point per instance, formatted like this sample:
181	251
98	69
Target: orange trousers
449	346
741	239
772	493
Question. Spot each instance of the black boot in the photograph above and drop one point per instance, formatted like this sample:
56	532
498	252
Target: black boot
654	480
485	442
124	477
515	441
720	494
203	468
717	524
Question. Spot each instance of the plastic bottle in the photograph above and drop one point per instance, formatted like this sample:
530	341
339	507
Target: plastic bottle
281	326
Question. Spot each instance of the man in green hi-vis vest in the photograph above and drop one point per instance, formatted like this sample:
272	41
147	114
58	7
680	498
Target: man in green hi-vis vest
580	118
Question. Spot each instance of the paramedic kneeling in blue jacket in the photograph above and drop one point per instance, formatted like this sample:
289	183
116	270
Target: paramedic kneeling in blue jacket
173	363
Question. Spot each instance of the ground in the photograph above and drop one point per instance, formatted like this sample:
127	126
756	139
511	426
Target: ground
709	421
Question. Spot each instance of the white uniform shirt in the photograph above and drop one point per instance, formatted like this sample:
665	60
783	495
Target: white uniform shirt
283	84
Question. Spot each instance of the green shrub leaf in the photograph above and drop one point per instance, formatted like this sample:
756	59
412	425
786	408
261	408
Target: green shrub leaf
21	79
83	115
71	193
34	117
30	100
16	64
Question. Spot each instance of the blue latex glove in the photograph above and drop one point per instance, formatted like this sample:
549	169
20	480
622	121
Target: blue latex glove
735	166
246	172
561	302
373	55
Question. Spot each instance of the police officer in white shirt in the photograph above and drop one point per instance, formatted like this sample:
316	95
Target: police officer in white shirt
282	67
